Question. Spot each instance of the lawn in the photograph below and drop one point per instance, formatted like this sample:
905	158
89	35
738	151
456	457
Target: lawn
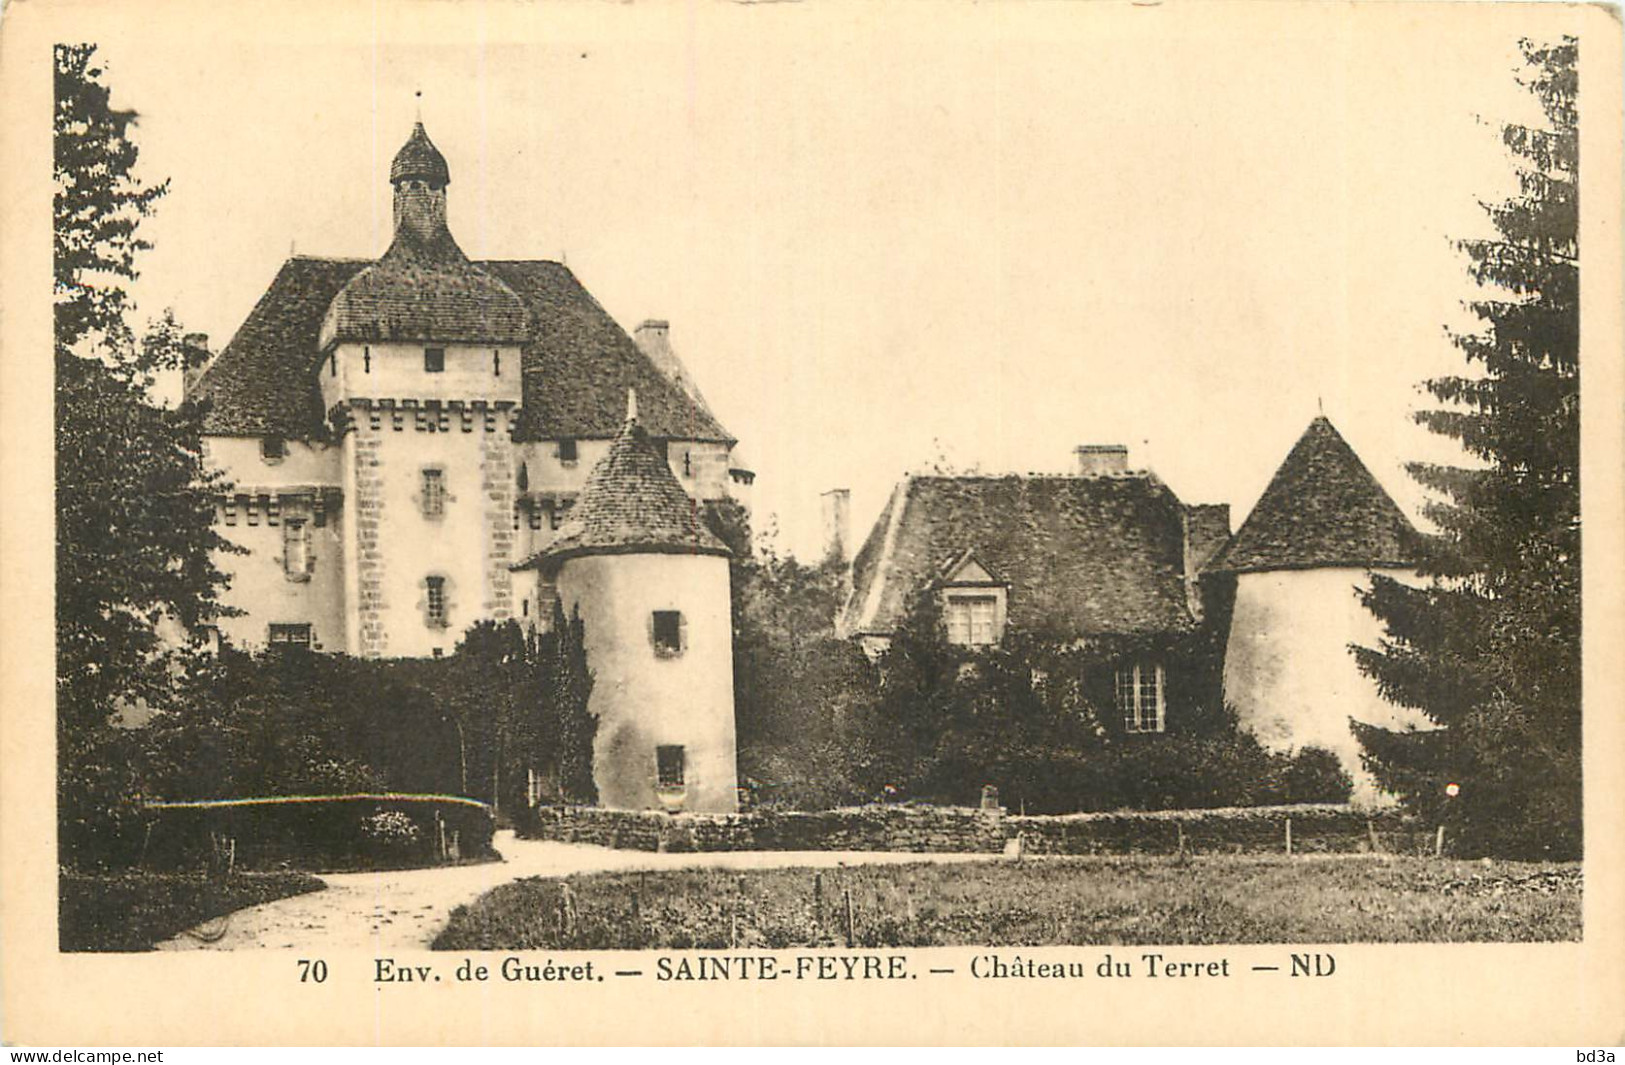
136	910
1035	902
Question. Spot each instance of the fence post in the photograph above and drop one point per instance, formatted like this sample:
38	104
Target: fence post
1438	843
849	936
1289	837
818	901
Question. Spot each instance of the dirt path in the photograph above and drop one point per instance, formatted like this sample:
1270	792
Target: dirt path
405	910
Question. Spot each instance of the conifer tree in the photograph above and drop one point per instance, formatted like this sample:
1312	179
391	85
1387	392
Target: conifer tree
568	690
1489	648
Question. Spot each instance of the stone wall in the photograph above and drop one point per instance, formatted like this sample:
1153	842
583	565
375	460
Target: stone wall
1316	828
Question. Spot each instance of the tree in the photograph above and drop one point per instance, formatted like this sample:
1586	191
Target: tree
134	509
567	688
1489	647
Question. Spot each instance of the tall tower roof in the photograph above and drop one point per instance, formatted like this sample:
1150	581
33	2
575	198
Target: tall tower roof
423	288
1322	508
631	504
419	158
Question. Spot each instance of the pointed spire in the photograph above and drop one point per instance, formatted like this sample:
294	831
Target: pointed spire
631	406
420	159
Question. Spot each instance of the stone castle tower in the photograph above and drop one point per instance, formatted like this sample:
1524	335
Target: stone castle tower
398	431
651	586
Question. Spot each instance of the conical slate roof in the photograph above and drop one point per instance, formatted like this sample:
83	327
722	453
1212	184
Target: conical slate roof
419	158
1323	508
631	504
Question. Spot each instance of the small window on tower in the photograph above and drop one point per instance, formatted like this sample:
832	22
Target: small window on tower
434	606
273	448
434	360
668	632
434	493
567	451
688	464
669	765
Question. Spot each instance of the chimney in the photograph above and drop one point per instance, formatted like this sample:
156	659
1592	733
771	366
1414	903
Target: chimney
1097	459
195	348
1207	528
837	510
653	338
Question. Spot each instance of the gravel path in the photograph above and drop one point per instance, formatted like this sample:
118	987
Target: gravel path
404	910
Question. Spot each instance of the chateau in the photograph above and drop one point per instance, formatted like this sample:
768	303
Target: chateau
406	440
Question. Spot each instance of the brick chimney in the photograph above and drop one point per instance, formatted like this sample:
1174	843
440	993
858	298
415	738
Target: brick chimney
1097	459
837	511
653	338
196	358
1207	528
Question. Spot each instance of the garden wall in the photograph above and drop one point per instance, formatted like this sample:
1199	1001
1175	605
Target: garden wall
921	829
1316	828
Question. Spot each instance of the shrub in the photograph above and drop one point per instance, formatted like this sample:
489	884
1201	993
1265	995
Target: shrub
390	832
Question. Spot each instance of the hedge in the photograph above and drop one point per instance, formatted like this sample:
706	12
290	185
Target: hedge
320	832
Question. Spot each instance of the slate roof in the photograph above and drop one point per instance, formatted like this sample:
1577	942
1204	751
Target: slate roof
1322	508
631	503
1080	555
419	158
425	291
577	364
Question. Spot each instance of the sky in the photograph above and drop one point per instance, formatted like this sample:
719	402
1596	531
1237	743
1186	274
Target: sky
886	241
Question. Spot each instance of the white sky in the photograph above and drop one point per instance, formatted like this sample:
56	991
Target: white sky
1009	229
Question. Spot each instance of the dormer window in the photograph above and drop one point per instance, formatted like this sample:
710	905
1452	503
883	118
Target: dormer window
974	603
434	360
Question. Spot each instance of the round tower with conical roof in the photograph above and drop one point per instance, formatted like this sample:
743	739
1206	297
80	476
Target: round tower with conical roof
650	584
1310	545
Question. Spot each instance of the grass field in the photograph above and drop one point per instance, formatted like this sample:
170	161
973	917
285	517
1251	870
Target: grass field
133	911
1033	903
